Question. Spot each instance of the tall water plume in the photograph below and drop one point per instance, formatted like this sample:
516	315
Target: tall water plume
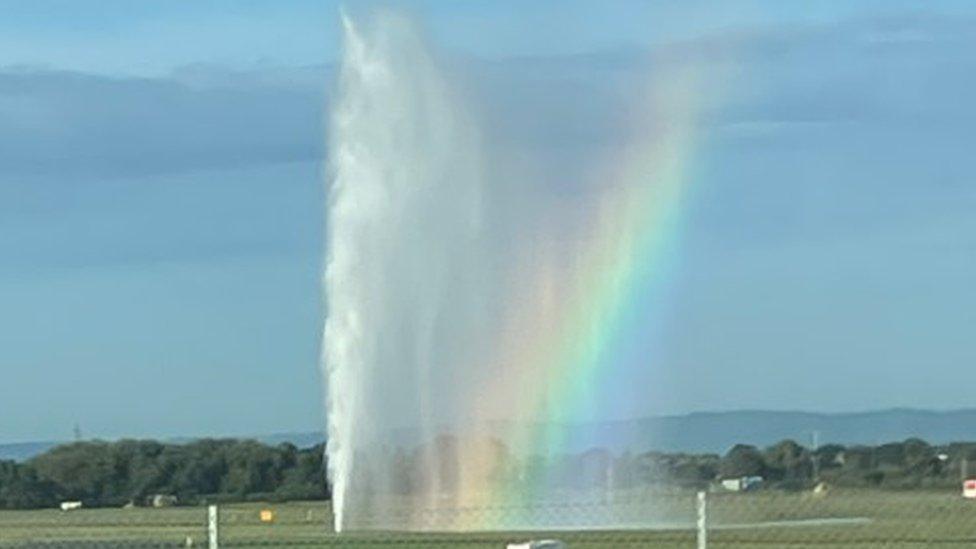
471	319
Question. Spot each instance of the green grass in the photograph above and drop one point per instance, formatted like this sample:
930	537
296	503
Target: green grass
743	521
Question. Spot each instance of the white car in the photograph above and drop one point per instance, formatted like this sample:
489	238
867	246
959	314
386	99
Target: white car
540	544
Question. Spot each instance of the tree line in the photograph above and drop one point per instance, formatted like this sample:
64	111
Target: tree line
212	471
906	465
132	471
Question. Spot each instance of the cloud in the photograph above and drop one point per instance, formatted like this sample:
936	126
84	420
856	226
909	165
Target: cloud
893	72
69	123
886	72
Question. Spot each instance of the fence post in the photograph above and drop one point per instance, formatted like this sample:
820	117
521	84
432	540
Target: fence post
702	521
213	535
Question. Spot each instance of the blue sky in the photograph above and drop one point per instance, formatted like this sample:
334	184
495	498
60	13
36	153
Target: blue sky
161	199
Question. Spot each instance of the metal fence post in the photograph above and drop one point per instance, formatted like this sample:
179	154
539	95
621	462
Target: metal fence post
702	521
212	525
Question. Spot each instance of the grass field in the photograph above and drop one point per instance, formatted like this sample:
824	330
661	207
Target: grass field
744	521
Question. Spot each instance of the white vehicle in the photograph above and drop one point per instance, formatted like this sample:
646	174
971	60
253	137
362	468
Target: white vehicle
540	544
70	505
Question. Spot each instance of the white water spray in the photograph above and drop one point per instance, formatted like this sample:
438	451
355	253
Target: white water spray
436	242
403	225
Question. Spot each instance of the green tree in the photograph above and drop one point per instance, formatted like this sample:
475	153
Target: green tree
788	461
742	460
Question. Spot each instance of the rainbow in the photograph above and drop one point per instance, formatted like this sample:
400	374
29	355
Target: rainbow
565	316
566	331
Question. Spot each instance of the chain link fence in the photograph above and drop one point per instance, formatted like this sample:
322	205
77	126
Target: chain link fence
743	520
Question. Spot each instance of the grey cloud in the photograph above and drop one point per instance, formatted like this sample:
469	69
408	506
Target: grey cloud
69	123
894	72
887	72
911	71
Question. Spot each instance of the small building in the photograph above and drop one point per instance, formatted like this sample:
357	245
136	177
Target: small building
969	489
70	505
732	484
742	484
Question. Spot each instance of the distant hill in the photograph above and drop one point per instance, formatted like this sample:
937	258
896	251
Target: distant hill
718	431
713	432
